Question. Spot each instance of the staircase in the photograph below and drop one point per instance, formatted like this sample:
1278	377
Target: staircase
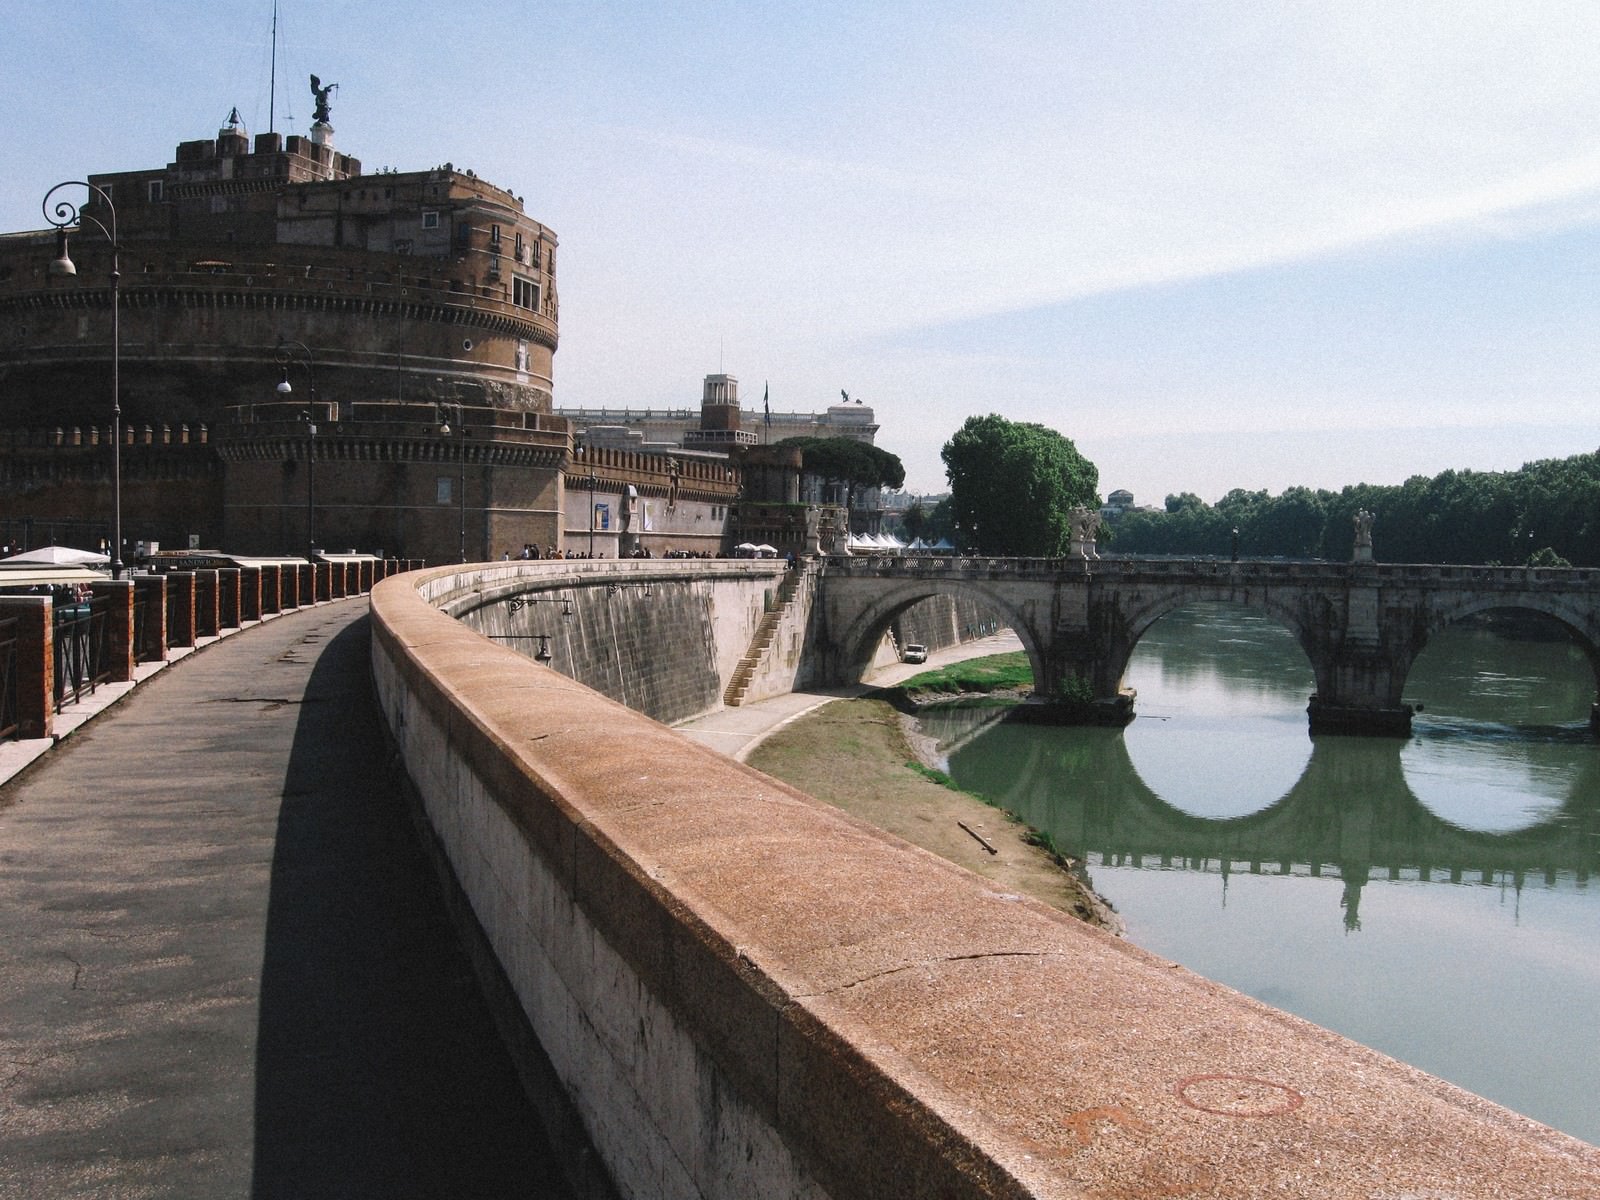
766	630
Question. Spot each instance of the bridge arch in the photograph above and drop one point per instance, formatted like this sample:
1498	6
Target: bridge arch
860	638
1580	625
1148	607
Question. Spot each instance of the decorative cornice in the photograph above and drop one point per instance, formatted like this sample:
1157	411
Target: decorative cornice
492	320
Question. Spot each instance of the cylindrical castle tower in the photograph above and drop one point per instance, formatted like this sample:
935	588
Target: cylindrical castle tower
409	299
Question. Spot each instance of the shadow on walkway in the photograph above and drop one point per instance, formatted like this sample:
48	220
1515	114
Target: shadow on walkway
379	1072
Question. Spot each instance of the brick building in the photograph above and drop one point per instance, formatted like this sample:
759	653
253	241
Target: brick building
412	316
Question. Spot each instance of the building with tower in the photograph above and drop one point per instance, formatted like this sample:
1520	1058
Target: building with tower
308	353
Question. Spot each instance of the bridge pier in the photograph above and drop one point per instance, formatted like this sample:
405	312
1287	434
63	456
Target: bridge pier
1082	684
1386	721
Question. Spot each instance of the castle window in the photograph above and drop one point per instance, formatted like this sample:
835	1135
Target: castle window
430	220
155	191
494	235
524	292
443	488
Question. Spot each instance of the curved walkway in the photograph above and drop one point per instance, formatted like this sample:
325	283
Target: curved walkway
225	963
736	732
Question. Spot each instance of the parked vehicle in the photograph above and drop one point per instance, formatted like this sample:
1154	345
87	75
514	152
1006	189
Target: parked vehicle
914	652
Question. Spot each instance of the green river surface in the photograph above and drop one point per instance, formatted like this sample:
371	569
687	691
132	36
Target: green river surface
1432	897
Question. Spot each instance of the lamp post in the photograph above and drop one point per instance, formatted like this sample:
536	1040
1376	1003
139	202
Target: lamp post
63	216
591	481
461	488
309	416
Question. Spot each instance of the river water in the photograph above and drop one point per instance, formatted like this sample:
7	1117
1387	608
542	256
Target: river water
1432	897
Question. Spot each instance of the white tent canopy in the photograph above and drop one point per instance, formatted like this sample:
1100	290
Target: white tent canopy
54	556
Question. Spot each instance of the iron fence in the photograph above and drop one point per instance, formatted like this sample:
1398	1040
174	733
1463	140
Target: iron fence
82	650
9	704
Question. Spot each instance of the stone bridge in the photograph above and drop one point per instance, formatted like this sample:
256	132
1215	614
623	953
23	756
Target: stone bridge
1361	624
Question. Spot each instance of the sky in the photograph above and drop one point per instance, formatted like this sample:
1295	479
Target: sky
1217	245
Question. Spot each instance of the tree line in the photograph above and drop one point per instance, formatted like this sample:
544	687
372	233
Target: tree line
1013	486
1545	514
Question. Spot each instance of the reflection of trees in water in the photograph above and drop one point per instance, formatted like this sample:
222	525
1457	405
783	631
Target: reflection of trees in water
1211	641
1351	811
1473	673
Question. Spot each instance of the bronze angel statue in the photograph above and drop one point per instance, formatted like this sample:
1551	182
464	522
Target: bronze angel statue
321	93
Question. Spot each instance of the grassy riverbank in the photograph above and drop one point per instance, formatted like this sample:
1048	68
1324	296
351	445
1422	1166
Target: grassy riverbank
859	755
997	674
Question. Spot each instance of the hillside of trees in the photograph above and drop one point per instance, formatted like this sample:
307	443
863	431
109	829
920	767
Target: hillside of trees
1546	514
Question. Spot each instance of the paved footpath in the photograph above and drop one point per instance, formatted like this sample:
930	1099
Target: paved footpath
225	966
736	732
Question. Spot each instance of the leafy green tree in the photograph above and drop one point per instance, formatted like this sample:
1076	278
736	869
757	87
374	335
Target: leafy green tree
1013	486
930	523
1548	510
1547	557
914	523
1290	524
1183	501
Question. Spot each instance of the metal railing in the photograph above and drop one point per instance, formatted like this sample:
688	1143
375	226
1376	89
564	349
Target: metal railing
9	708
141	607
82	656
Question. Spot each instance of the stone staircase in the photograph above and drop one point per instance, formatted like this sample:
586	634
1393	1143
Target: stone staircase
761	642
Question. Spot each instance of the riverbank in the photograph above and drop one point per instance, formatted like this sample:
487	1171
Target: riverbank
863	755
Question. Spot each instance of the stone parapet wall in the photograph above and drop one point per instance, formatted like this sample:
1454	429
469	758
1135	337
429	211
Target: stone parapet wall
746	993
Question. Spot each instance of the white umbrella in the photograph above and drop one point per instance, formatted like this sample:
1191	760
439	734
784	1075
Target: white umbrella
54	556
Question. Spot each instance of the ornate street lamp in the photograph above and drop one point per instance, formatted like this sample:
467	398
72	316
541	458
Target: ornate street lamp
309	416
63	216
461	484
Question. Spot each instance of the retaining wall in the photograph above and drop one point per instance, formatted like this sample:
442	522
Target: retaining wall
658	635
746	993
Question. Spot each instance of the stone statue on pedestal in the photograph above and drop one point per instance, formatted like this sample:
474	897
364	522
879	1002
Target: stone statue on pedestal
1085	523
1363	523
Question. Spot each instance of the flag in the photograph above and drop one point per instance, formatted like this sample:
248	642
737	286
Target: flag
766	407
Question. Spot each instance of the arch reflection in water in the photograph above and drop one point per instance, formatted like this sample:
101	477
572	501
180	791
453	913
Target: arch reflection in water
1333	898
1504	729
1350	816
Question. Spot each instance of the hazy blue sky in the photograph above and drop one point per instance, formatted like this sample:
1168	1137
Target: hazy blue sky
1216	244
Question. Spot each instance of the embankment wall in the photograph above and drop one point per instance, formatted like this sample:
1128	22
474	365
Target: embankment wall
746	993
657	635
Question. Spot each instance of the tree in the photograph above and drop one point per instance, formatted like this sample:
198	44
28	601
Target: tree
1013	485
850	463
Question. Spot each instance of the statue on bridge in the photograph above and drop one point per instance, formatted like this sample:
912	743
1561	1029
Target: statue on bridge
1085	523
1363	523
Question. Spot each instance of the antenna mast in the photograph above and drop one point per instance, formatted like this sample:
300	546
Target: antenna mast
272	89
